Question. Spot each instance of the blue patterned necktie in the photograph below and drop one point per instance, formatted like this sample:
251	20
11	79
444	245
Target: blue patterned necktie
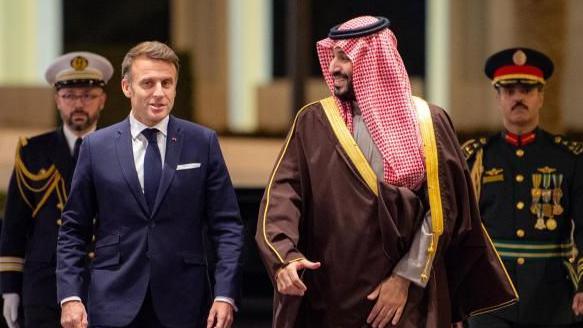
152	167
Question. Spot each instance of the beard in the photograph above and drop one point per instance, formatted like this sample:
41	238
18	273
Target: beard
76	124
345	94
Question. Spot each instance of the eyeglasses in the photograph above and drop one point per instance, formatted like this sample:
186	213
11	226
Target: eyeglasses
72	98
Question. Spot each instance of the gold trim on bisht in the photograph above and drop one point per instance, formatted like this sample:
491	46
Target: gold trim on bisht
433	186
349	144
268	189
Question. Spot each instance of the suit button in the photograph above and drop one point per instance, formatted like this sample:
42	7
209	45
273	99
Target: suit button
520	261
59	222
519	152
91	255
520	233
520	205
93	239
519	178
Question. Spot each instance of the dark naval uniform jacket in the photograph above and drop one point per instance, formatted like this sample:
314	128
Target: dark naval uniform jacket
37	193
530	191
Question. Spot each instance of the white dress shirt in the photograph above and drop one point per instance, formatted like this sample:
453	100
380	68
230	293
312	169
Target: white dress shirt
140	143
71	137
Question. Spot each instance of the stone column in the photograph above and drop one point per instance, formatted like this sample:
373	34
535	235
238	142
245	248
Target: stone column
542	24
31	38
200	27
572	67
480	28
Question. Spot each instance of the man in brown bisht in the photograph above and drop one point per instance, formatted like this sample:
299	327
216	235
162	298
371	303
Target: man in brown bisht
369	218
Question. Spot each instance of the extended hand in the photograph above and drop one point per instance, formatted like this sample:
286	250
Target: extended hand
578	303
220	315
73	315
288	280
391	296
10	310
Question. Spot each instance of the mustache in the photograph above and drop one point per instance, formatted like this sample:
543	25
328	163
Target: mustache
340	75
78	111
519	104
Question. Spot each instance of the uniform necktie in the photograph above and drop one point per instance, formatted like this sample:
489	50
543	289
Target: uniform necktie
152	167
76	150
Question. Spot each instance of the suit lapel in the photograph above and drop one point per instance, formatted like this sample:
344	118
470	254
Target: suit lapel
173	148
125	157
62	157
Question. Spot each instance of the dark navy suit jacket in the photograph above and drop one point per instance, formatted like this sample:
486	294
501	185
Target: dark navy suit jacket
163	249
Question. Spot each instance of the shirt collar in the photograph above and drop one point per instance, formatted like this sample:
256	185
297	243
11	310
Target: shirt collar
71	137
136	127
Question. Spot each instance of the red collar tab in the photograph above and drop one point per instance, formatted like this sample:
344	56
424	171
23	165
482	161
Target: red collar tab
519	140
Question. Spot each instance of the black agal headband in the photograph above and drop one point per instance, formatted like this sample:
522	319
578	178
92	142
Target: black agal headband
337	34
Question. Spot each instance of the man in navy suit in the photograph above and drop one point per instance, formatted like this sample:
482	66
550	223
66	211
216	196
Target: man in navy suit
152	182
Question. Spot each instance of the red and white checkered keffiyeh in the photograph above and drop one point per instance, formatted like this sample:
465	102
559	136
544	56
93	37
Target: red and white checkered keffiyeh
383	93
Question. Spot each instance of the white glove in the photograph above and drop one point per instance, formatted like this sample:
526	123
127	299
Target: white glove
10	311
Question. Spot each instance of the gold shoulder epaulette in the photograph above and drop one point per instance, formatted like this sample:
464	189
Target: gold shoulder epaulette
575	147
23	141
43	181
470	147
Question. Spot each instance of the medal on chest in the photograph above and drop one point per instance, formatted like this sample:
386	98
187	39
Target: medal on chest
546	194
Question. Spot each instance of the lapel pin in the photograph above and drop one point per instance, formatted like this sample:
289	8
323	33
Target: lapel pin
173	139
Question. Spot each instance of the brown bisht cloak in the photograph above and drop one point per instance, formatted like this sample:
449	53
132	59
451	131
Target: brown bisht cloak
319	206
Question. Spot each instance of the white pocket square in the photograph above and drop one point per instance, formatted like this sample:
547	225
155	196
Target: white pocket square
187	166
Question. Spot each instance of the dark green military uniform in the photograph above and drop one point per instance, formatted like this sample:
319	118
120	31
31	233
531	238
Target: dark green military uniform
531	199
530	192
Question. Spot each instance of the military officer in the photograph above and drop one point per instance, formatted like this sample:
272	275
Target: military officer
529	183
38	189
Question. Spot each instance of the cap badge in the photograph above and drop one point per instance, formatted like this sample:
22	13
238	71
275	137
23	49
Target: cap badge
519	58
79	63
